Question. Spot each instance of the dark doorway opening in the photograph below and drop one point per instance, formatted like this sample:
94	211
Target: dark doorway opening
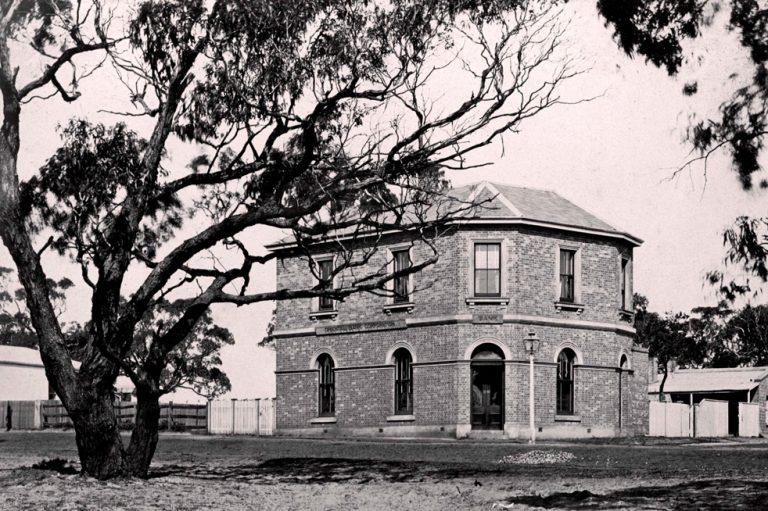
487	387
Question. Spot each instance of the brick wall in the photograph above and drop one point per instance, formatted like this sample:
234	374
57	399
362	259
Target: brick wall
529	277
441	347
365	383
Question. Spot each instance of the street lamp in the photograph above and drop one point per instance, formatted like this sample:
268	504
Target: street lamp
531	345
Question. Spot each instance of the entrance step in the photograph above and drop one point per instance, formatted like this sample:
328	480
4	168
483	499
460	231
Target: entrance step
486	434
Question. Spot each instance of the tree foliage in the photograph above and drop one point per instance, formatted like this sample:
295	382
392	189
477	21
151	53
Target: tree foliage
744	339
15	324
312	116
658	31
667	337
710	336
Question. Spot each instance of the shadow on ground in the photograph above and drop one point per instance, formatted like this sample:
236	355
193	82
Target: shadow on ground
708	494
318	470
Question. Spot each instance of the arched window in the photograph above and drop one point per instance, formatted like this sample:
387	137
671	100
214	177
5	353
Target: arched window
565	382
403	382
327	386
623	363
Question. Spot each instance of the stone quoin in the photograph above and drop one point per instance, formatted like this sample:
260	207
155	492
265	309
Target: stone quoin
445	355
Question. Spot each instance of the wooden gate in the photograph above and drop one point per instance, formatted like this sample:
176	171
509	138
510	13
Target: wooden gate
711	418
749	419
669	419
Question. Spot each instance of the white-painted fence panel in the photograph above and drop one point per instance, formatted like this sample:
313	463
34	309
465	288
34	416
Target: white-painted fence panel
669	419
242	417
711	418
749	419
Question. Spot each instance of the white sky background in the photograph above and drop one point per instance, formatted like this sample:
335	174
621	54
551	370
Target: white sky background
613	156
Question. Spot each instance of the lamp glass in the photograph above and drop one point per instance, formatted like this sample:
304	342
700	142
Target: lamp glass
531	343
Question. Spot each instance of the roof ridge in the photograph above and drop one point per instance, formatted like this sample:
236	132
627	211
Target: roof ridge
536	188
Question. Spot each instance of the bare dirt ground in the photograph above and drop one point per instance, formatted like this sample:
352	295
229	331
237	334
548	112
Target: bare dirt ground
199	472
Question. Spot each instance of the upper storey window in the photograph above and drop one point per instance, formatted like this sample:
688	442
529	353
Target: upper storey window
567	275
402	261
325	272
625	284
487	269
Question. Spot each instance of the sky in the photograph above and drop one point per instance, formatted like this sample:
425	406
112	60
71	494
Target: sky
615	156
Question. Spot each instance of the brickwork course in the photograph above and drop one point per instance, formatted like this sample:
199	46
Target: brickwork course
446	325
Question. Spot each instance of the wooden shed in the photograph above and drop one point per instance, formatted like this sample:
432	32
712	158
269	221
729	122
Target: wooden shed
744	389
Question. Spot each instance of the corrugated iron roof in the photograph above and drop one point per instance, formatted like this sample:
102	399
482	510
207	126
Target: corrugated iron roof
712	380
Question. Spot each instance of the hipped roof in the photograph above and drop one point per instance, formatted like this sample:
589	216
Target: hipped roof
517	205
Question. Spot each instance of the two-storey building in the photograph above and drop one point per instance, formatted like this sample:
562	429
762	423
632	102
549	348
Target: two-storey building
444	354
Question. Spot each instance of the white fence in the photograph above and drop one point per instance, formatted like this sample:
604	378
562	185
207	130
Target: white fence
749	419
711	418
242	417
669	419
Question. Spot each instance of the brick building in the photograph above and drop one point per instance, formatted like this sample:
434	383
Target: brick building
445	354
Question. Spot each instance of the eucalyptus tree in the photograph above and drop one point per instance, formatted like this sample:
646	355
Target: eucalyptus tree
317	117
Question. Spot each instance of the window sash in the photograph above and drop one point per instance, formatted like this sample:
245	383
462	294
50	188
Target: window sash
403	384
487	269
567	275
325	270
624	276
402	261
327	388
565	394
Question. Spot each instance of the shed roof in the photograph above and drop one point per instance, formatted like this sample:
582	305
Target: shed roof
519	205
20	355
712	380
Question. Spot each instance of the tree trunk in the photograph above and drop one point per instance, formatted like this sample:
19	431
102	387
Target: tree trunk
98	438
662	397
144	436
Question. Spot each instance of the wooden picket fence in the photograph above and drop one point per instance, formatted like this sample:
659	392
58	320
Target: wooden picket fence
20	414
242	417
224	416
708	418
173	416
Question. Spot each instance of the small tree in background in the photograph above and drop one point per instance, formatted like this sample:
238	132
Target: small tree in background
668	339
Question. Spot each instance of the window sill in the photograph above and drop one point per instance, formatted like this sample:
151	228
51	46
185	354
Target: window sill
399	307
569	306
314	316
323	420
401	418
487	300
626	315
567	418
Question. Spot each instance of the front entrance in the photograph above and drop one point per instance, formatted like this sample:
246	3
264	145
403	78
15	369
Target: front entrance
487	400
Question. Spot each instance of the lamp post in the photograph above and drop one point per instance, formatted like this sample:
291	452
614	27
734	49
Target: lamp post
531	345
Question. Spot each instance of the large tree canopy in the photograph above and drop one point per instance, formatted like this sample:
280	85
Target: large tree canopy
659	30
312	116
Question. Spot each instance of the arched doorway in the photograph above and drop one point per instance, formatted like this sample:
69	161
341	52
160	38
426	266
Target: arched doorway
487	387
